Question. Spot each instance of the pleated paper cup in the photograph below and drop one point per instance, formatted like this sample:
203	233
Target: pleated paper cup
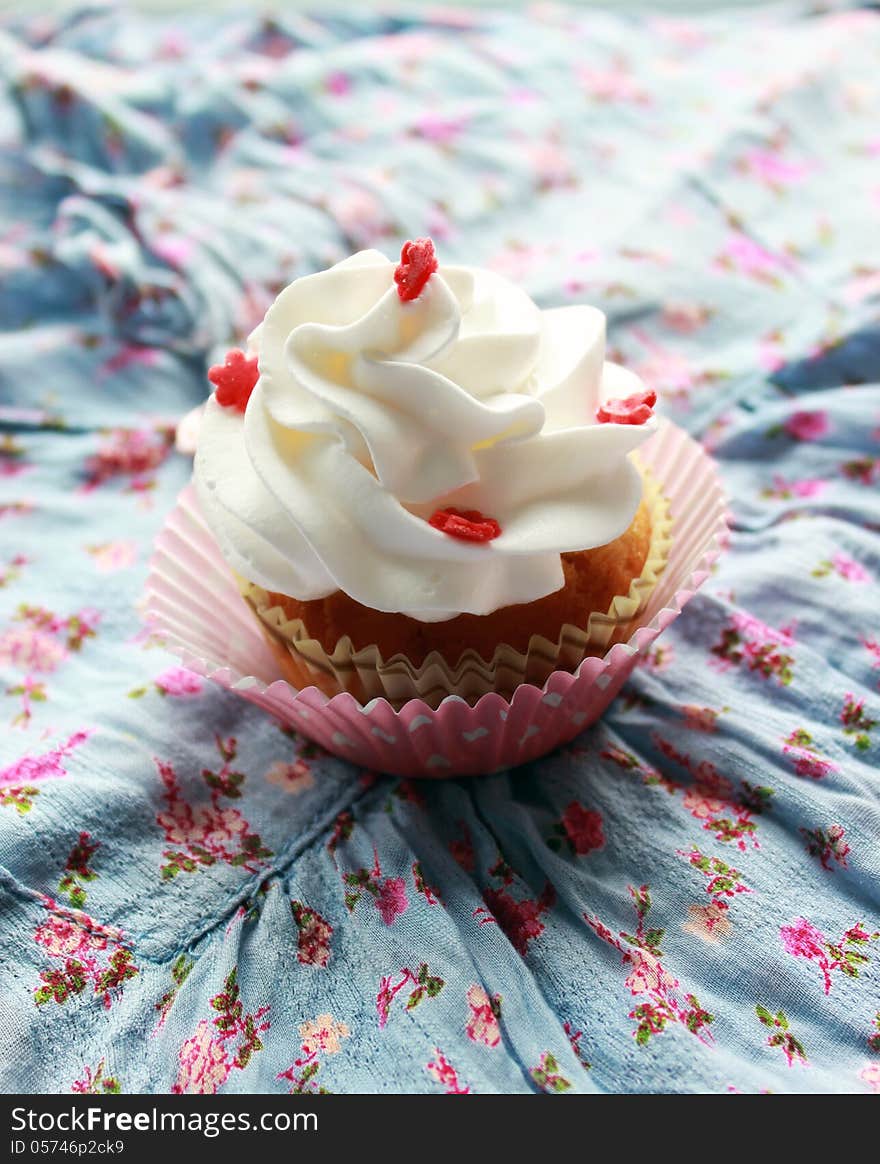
193	602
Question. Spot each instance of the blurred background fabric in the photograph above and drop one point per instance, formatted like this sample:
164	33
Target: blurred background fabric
683	899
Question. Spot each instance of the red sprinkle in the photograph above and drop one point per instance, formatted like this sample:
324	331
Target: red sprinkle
467	525
235	379
417	264
635	409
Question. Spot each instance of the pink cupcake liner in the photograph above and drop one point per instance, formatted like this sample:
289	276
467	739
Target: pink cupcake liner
192	601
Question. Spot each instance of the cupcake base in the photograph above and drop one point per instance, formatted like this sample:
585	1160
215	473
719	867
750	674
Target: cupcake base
497	652
593	578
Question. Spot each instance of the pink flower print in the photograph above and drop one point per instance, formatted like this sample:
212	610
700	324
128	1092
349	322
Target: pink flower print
483	1026
127	451
864	470
857	724
547	1076
438	225
10	468
440	130
30	691
658	659
709	781
807	426
462	849
112	556
174	249
803	940
184	825
323	1035
748	640
31	649
685	33
771	351
722	881
391	899
275	45
234	1023
294	778
12	255
685	318
524	96
178	681
520	920
669	371
359	214
204	1065
828	844
225	824
384	999
848	568
858	933
747	257
338	84
80	626
13	568
603	932
710	922
574	1038
583	828
430	892
807	761
775	171
172	47
648	975
812	767
92	955
782	1036
550	165
208	833
203	826
784	490
96	1082
517	260
702	803
870	1076
700	719
445	1074
49	766
614	83
64	937
178	824
425	985
872	646
679	214
314	934
864	285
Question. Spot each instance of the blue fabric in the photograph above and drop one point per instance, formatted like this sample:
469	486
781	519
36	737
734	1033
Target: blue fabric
686	897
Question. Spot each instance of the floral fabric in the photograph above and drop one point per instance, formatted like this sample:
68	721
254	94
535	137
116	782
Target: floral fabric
683	899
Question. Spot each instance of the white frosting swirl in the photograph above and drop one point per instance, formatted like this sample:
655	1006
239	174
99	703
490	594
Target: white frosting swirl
371	413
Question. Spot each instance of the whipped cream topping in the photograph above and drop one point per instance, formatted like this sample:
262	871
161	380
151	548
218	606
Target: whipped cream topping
371	412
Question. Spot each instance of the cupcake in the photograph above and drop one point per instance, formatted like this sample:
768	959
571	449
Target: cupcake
427	486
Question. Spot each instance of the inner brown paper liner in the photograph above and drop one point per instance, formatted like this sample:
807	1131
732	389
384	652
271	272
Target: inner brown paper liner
366	675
